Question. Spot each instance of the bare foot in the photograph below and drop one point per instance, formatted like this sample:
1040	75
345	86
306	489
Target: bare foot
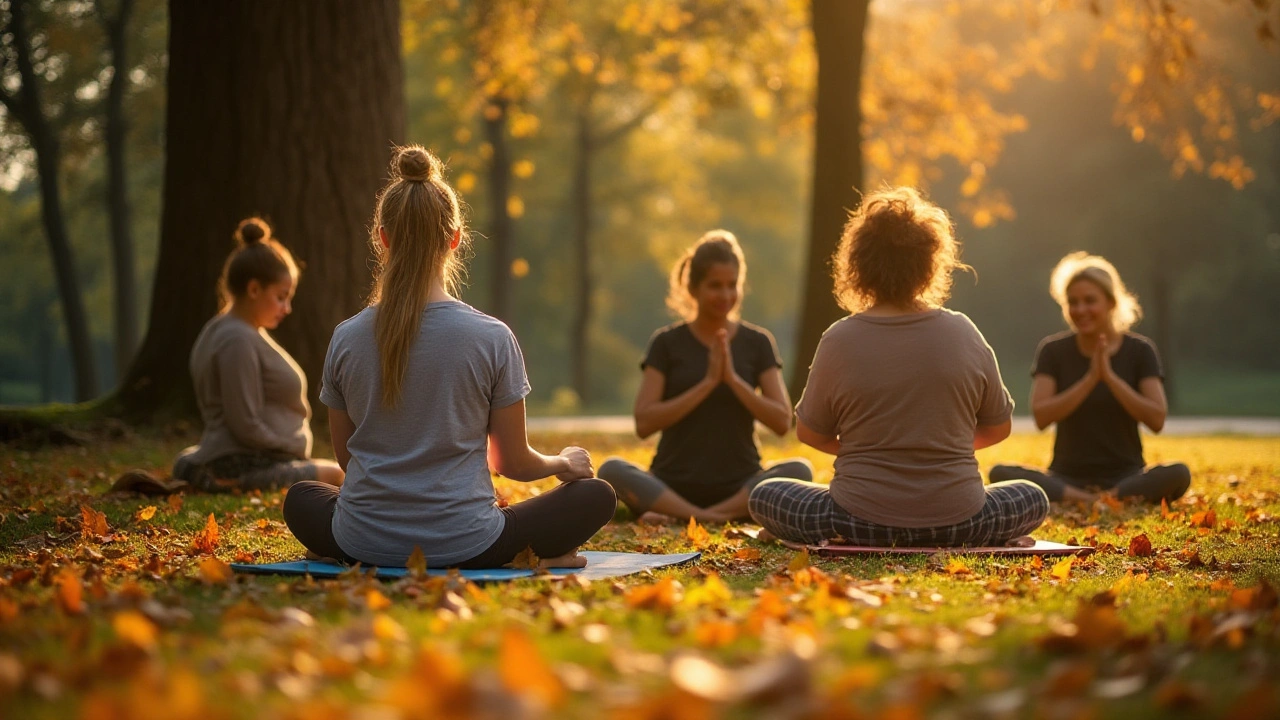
1024	541
766	536
568	560
316	557
653	518
1077	495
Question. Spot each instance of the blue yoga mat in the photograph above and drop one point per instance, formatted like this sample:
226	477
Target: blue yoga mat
599	565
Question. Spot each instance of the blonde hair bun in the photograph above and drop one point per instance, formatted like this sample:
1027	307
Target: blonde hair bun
417	164
251	231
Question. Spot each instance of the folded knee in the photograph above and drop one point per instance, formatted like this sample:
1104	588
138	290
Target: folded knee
798	469
1000	473
594	496
611	467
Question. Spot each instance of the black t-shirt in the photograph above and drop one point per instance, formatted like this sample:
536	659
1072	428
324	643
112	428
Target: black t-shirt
1100	439
707	455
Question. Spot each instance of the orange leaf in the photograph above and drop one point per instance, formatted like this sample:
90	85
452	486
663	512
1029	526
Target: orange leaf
175	504
417	563
385	628
375	600
135	628
1062	569
8	610
206	541
70	591
956	566
214	571
93	524
525	672
1206	519
662	595
145	514
1140	546
697	534
747	553
527	559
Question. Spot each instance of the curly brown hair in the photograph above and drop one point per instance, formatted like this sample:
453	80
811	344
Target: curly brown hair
897	248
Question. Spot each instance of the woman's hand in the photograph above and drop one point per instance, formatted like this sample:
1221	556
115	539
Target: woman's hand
1100	365
579	464
728	374
716	359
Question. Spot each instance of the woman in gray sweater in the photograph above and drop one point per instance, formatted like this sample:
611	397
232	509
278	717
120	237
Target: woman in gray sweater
251	393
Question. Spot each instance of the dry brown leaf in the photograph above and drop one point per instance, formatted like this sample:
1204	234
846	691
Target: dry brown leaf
93	524
799	561
175	503
527	559
417	563
206	540
69	591
1140	546
525	672
696	534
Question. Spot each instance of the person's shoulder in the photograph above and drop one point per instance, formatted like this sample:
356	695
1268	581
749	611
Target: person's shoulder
1134	342
357	325
1057	342
668	331
755	332
955	319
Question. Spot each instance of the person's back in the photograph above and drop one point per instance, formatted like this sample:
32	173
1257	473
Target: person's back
904	400
418	474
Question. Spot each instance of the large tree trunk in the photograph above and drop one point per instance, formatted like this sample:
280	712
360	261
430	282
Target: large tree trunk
28	108
122	255
286	109
579	368
501	232
838	31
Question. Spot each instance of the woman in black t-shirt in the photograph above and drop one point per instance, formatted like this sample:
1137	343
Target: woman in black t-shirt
699	389
1097	382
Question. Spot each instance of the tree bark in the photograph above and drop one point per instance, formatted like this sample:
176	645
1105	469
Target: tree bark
501	234
839	28
28	109
578	355
122	250
288	110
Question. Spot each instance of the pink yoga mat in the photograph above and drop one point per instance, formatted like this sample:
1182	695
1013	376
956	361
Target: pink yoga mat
1042	547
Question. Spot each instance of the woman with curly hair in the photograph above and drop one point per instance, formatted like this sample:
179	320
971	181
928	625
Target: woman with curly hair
902	392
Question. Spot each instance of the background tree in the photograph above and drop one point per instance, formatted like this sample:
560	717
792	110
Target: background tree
294	121
28	61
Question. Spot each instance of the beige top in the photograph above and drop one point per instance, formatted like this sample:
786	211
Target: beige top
252	395
904	394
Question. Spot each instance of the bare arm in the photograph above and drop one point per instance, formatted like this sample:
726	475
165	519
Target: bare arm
826	443
340	430
1048	406
1147	404
988	435
510	455
652	413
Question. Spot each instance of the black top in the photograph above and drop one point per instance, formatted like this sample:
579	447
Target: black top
709	453
1099	440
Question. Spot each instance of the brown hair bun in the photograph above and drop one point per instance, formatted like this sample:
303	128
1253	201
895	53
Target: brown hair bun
252	230
415	164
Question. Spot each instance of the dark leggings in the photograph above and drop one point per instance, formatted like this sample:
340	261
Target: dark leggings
553	524
1156	483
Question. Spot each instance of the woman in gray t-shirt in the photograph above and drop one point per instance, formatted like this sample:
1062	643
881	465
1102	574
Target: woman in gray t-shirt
902	392
425	394
251	393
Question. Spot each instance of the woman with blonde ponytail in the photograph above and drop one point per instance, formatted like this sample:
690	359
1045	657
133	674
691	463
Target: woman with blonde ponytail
425	393
1097	381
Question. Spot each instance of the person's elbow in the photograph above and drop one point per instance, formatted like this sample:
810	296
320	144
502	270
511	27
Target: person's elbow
644	427
1041	417
813	439
988	435
1156	421
781	424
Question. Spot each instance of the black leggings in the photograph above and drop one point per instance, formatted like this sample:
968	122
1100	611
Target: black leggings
554	523
1156	483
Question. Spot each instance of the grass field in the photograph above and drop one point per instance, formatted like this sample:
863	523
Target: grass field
132	614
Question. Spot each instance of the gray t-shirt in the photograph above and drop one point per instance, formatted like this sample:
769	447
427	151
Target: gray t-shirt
251	393
419	473
904	395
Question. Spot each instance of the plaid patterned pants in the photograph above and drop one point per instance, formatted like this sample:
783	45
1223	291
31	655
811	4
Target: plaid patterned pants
804	512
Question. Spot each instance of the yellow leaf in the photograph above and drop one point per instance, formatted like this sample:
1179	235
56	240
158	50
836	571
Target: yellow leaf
93	524
800	561
697	534
214	571
1062	569
69	592
135	628
375	600
417	564
384	628
525	672
145	513
712	592
206	541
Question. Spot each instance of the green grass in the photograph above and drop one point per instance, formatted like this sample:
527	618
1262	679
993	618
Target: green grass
894	636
